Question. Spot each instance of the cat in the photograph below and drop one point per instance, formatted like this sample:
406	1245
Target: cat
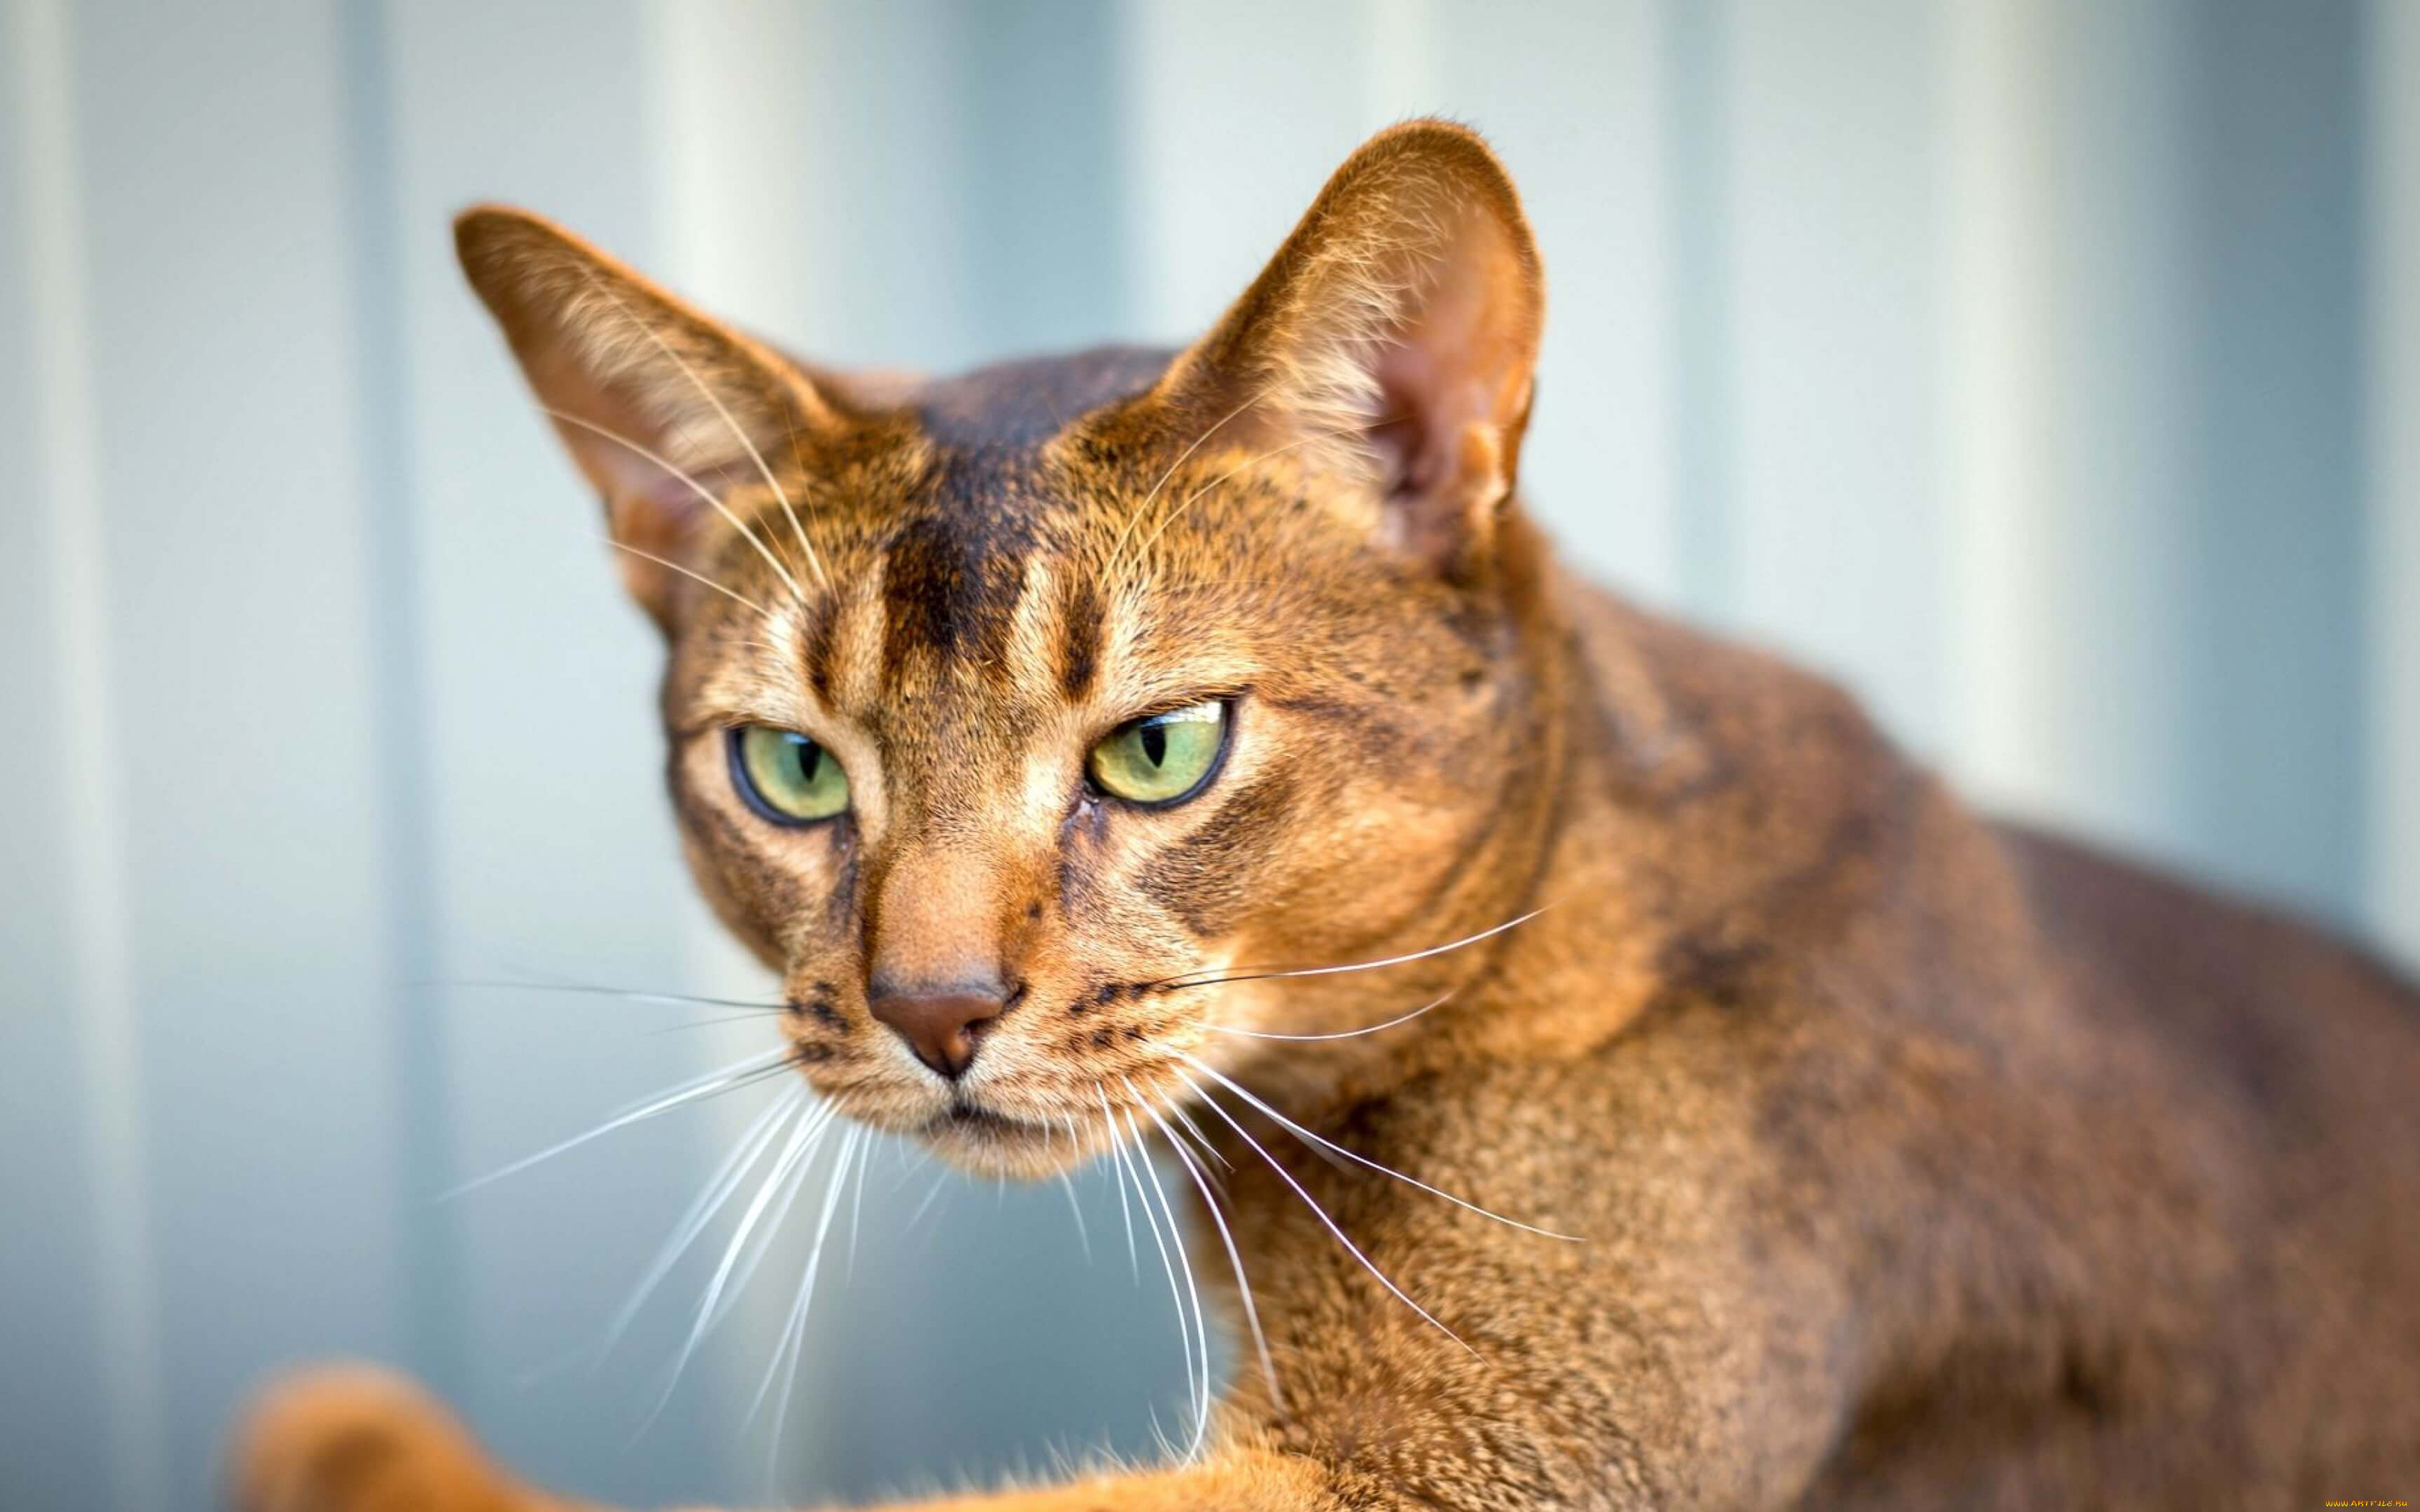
1203	749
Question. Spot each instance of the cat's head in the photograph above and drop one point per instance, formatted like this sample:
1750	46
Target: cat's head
1010	713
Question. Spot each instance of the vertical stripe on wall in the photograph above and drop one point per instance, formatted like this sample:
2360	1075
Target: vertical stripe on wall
2271	679
1698	177
2391	50
431	1272
87	1171
2000	558
1828	386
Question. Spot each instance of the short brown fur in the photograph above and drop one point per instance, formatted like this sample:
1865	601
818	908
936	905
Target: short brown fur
1915	1161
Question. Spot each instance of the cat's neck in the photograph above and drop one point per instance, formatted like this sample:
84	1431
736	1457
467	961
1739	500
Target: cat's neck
1666	830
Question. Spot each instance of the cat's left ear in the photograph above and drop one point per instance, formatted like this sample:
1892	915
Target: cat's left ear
1394	337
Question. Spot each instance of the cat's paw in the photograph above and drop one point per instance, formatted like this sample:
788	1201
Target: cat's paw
357	1438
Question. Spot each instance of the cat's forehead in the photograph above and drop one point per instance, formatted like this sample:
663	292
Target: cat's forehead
998	560
1026	402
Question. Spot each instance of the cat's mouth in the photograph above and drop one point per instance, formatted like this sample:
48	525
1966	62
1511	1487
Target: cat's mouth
970	1120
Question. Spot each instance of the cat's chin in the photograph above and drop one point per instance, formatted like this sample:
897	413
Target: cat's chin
995	1144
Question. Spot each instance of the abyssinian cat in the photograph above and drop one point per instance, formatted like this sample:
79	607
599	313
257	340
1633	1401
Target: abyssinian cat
1098	745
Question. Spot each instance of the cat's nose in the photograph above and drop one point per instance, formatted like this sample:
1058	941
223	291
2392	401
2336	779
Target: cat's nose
941	1024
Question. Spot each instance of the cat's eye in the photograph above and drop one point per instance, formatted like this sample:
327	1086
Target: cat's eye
1163	758
785	777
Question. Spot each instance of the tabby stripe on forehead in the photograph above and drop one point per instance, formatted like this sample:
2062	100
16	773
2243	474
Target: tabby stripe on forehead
816	653
1080	645
952	585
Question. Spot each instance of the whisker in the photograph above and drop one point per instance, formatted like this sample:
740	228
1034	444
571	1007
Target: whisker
1347	1034
771	1230
694	487
1226	1236
1192	1291
1321	1213
857	1207
1174	984
786	1171
707	1024
706	391
940	1180
1117	547
702	579
835	1183
739	1074
726	1180
670	1000
1176	1297
1184	1120
1302	1133
1126	1211
795	1329
1170	516
1076	1208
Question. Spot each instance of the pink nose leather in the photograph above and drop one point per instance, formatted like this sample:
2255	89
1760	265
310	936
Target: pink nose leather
940	1026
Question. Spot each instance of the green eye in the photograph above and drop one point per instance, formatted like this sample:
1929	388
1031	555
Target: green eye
785	777
1161	759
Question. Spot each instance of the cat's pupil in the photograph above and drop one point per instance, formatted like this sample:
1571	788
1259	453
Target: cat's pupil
810	756
1154	744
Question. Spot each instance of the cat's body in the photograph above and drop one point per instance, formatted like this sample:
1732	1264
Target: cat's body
1913	1163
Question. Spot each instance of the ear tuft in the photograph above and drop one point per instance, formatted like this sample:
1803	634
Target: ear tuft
1394	336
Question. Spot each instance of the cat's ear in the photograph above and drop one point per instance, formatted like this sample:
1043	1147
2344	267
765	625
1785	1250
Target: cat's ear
1394	336
659	403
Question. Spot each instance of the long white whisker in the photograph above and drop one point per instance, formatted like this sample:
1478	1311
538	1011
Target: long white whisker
796	1327
1201	1175
621	993
1076	1208
1185	1121
940	1180
793	1326
1192	1291
1168	516
769	1231
1324	1142
1176	1297
706	391
732	594
1347	1034
1321	1213
694	487
727	1179
857	1207
1125	1210
788	1170
689	1091
1207	980
1117	549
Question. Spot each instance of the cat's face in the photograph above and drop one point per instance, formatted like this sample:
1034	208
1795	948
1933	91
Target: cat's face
1010	715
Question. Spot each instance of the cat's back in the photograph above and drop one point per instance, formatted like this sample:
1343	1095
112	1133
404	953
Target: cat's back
2190	1138
2303	1034
2276	1063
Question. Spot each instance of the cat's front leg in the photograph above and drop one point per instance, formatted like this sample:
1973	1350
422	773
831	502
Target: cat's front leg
354	1439
359	1438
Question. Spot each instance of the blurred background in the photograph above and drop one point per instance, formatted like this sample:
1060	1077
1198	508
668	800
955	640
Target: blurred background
2047	370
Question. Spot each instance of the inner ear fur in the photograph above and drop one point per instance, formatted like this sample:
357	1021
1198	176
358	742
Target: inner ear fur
1393	338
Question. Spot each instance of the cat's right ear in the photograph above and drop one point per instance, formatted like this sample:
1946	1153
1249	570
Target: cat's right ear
660	404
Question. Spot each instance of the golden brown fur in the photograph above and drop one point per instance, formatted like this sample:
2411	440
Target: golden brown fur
1915	1162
